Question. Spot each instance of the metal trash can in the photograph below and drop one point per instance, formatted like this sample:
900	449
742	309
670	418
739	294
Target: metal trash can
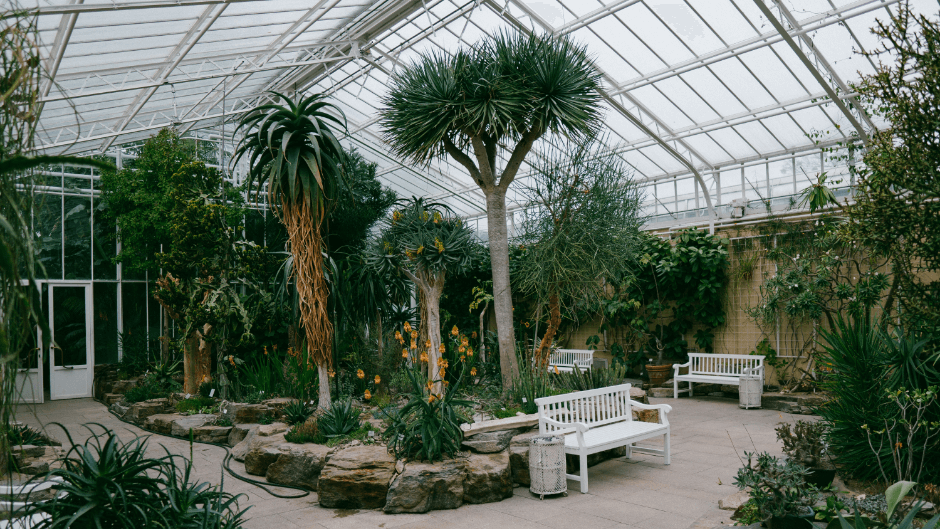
749	391
547	465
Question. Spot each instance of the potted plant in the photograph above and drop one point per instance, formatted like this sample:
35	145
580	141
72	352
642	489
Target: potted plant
659	369
779	490
804	444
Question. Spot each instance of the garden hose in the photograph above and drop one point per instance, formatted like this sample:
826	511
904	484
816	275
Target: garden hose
226	464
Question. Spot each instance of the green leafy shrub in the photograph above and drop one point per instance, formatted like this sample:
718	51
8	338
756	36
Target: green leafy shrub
428	426
107	483
149	387
265	419
205	389
777	488
747	514
222	421
578	380
20	434
895	516
342	418
804	443
532	383
195	405
307	432
296	412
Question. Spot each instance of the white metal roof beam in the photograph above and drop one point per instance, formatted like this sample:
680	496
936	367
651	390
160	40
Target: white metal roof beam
811	67
826	19
205	21
595	15
119	6
621	109
821	59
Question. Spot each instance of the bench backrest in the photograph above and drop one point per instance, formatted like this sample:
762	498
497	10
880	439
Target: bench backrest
722	364
594	407
582	358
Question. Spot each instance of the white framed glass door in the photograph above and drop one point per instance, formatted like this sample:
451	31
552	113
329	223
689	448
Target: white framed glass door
29	383
71	353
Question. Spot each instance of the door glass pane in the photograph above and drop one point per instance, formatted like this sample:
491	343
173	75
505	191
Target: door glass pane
68	326
106	332
105	244
20	317
134	305
77	237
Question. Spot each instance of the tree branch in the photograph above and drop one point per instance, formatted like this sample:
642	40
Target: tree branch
486	169
463	160
518	155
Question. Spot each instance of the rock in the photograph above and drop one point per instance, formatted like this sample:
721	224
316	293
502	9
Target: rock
141	410
111	398
240	449
573	463
639	395
182	426
495	425
239	432
519	457
121	386
489	478
28	451
34	467
161	423
490	442
299	466
661	393
646	415
267	430
241	413
734	502
212	434
259	459
424	487
277	405
119	409
356	478
399	466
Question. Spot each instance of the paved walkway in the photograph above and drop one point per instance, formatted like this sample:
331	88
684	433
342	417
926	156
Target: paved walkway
708	434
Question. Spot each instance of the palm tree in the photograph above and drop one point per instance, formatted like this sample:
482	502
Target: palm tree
292	150
504	93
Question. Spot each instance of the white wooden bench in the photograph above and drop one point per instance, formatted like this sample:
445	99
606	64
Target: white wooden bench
565	359
600	419
717	369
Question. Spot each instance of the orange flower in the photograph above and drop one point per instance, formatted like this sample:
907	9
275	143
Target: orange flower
442	372
360	374
556	370
442	349
462	349
454	331
464	341
473	371
470	352
427	344
473	335
407	327
414	335
526	324
275	347
414	344
265	349
378	379
398	336
331	373
424	357
231	359
431	398
404	353
367	395
463	358
429	385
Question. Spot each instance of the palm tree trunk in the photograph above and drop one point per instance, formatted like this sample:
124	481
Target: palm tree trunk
502	294
303	229
433	304
554	321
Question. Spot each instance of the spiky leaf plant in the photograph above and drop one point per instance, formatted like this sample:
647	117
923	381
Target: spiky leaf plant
293	152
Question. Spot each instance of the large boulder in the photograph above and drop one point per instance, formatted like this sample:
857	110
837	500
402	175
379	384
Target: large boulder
277	405
356	478
181	426
489	442
122	386
299	466
259	459
423	487
212	434
139	411
161	423
239	432
489	478
258	436
519	457
241	413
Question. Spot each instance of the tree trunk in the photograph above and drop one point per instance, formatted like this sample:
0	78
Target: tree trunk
554	321
380	341
190	355
203	362
433	304
165	339
482	335
502	294
324	396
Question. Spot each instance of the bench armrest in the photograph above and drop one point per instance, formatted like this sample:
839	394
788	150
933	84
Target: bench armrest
759	370
663	410
676	367
579	426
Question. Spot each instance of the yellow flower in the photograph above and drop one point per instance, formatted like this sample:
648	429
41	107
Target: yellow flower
473	371
424	357
442	349
407	327
360	374
404	353
378	379
367	395
439	245
420	249
454	331
526	324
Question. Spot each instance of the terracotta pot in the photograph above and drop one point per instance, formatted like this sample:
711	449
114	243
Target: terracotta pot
659	374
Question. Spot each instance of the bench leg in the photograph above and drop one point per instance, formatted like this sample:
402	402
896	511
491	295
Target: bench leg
675	388
629	450
584	474
666	448
690	389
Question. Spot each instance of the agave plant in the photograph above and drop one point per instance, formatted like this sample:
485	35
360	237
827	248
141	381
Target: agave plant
293	152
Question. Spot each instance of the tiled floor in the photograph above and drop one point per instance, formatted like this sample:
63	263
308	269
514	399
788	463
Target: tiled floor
708	437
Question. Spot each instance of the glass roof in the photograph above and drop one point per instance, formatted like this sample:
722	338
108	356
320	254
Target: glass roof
708	101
